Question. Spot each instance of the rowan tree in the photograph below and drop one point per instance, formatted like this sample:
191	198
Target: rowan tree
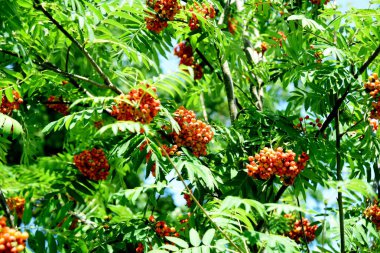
262	137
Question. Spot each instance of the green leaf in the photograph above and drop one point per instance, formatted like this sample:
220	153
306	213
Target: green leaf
181	243
10	126
208	236
194	237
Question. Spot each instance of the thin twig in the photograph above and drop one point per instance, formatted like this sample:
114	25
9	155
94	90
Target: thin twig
348	129
4	205
303	229
38	6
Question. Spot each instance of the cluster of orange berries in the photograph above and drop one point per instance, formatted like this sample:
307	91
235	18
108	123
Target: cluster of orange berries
373	214
162	229
165	149
188	199
194	133
138	105
263	47
140	248
281	39
373	88
231	24
7	107
93	164
318	57
16	204
11	240
271	162
318	1
207	11
374	123
165	10
184	51
297	234
57	105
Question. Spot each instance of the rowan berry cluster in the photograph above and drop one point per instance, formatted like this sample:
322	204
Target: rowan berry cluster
162	230
7	107
374	123
281	39
57	104
373	88
184	51
264	47
208	12
11	240
271	162
93	164
318	1
165	10
373	85
298	233
373	214
169	150
17	205
98	124
140	248
194	133
188	199
307	121
138	105
232	25
318	56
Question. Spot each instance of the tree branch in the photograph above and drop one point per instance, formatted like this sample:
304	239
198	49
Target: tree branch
339	102
38	6
339	178
227	77
3	203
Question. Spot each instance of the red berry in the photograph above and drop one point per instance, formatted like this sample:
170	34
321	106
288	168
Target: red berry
92	164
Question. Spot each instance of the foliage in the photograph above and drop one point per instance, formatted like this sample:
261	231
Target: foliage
295	71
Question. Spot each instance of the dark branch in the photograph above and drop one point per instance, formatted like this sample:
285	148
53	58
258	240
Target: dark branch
3	203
